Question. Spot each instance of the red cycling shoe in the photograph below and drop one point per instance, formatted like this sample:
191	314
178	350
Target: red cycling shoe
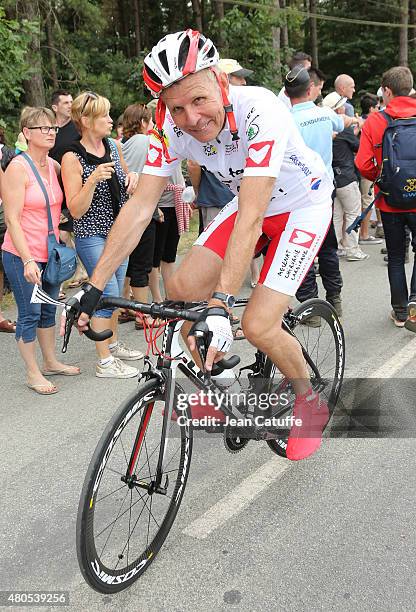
305	439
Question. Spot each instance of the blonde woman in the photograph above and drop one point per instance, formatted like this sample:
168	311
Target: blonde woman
97	184
25	248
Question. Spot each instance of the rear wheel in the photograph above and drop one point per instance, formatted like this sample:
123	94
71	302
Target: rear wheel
122	525
318	329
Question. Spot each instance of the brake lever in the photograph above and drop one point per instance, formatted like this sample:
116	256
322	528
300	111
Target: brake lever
72	313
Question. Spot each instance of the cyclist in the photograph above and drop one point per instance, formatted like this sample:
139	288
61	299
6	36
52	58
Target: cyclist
249	140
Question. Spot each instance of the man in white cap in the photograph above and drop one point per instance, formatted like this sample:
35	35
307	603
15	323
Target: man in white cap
236	73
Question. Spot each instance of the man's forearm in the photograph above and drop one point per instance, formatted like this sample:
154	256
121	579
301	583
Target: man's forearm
130	224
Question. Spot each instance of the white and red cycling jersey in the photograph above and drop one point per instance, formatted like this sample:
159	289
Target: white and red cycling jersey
300	208
269	145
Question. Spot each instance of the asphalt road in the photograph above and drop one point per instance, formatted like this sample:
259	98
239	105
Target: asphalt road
334	532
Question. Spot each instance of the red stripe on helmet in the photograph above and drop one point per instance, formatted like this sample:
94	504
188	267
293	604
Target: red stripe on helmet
191	60
152	85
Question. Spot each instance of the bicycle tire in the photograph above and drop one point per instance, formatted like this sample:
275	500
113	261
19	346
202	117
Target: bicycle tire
101	569
311	340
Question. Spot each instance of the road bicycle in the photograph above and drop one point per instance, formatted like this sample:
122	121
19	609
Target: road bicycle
138	473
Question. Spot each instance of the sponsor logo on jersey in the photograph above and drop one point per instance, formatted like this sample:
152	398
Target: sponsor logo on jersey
231	148
154	157
252	131
210	149
302	238
303	167
177	131
315	182
259	154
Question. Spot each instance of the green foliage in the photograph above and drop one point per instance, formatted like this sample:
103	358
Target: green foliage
13	64
248	38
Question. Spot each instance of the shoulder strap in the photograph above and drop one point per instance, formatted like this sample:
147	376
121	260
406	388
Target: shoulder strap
387	117
113	147
42	186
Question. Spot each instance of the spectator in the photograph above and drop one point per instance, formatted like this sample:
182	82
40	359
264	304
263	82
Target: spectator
345	86
95	177
347	204
369	104
6	325
137	122
316	126
25	250
61	104
236	73
119	128
298	59
396	85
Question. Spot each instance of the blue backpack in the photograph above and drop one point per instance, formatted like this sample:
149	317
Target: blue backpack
397	180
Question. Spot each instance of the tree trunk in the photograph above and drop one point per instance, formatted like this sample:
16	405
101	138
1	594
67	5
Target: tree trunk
276	47
219	14
51	49
145	21
137	37
412	21
314	34
33	86
403	37
196	7
284	34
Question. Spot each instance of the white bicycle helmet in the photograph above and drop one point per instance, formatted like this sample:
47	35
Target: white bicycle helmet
172	59
176	56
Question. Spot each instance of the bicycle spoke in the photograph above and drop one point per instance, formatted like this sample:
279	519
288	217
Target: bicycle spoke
108	494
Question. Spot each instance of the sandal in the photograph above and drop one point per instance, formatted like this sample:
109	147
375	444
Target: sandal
76	284
7	326
62	295
238	334
234	320
125	316
43	389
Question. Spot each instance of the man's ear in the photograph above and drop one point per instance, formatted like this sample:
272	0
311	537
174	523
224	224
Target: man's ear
54	108
224	81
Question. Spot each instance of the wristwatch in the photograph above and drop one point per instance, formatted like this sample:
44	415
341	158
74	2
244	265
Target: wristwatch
226	298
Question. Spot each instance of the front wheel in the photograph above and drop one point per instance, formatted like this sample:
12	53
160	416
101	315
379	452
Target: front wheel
319	331
122	525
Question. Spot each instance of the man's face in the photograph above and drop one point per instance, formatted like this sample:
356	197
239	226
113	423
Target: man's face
62	109
196	106
236	80
315	90
348	88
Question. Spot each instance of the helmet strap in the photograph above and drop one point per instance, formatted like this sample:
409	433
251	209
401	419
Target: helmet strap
160	115
228	107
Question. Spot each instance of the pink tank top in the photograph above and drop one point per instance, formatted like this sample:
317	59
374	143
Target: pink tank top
34	218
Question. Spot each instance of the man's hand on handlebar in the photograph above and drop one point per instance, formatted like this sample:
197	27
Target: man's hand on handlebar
213	330
84	302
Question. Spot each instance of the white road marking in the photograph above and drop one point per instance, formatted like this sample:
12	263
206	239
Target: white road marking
396	362
237	499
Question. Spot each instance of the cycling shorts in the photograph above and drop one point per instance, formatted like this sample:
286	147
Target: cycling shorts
295	239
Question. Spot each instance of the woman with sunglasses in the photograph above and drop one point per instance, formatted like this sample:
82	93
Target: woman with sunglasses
25	247
97	183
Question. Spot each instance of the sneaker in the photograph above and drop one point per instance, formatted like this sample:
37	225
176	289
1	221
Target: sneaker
410	322
336	302
398	322
357	256
121	351
370	240
305	439
379	232
341	253
115	369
